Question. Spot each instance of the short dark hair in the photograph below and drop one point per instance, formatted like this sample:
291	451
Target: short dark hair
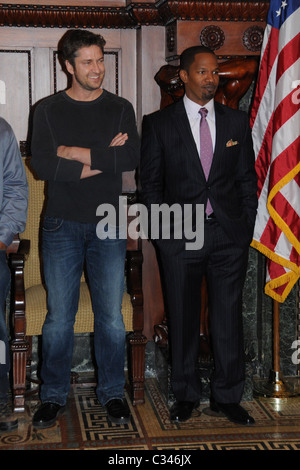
188	55
75	39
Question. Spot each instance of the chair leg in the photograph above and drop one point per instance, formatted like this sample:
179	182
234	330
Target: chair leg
19	353
136	366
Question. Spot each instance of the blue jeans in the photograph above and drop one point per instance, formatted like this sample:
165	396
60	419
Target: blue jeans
4	344
66	246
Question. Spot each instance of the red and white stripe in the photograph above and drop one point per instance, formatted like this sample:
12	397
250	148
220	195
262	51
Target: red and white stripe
275	121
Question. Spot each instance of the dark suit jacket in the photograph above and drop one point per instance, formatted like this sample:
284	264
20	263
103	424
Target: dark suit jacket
171	170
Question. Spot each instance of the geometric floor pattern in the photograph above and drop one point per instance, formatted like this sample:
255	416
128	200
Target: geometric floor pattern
85	426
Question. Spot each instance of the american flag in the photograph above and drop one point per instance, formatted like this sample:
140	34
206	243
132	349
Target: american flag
275	122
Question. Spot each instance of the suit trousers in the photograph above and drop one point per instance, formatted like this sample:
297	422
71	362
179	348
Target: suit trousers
224	264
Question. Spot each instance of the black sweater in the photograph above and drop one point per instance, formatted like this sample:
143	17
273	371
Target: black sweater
60	120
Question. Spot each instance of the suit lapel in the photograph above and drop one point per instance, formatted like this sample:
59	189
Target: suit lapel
182	124
221	132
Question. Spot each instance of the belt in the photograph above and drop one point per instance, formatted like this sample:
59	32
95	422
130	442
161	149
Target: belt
210	216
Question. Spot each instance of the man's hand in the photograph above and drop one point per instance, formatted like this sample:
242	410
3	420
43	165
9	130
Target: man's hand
119	140
87	172
2	246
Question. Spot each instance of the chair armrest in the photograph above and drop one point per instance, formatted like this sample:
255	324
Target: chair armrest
24	247
14	246
17	262
136	340
18	258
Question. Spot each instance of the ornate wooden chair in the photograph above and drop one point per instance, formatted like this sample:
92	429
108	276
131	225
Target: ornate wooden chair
29	301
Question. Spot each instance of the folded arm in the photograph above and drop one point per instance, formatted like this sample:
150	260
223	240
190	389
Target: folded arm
83	155
54	161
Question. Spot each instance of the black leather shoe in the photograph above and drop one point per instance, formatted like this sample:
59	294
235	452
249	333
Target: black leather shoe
8	420
47	414
233	411
182	410
118	411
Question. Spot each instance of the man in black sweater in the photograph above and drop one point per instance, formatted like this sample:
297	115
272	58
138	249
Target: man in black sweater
83	139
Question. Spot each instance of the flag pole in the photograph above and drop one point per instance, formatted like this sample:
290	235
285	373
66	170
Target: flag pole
276	386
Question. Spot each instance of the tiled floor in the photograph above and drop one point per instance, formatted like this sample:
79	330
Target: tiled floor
85	426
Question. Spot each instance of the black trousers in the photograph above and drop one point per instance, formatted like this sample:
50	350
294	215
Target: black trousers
224	265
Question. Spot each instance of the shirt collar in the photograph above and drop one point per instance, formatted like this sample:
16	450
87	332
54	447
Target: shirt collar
192	107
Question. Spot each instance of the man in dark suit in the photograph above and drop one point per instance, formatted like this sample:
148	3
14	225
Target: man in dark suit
173	171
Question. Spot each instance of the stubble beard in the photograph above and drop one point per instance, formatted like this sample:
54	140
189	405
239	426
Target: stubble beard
85	85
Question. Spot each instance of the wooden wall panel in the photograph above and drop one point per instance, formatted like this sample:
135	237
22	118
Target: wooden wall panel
227	39
16	96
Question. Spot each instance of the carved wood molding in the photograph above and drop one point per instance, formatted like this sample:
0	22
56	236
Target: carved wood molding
219	11
134	15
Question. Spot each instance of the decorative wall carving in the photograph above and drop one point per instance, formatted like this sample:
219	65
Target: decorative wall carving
253	38
134	15
218	11
212	37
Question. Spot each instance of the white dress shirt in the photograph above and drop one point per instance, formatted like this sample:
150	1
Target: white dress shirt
192	110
